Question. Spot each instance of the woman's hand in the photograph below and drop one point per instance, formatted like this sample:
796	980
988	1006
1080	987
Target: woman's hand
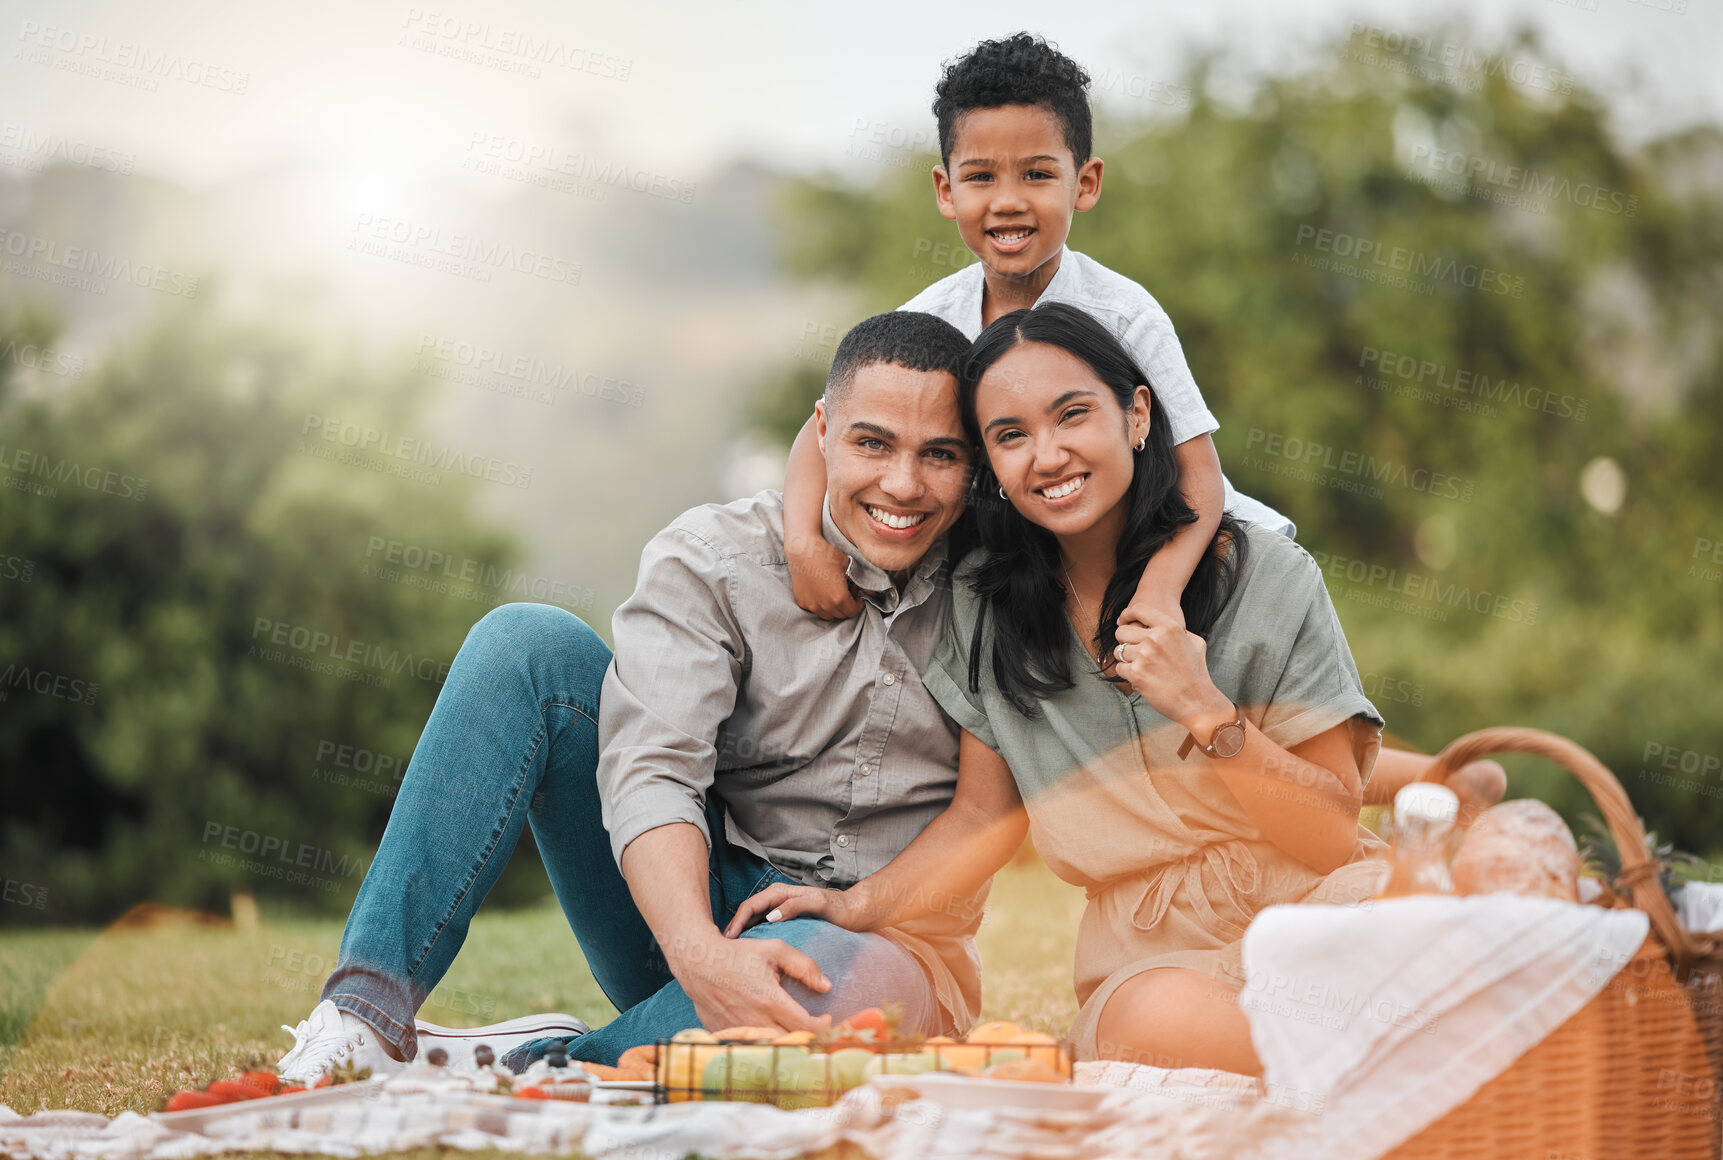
786	900
1168	666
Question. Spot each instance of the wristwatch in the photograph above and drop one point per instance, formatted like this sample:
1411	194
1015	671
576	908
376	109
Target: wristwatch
1228	739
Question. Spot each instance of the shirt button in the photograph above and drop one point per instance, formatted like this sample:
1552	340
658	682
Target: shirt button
890	679
865	769
843	839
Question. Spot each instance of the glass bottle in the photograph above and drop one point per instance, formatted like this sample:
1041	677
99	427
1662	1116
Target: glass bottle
1424	814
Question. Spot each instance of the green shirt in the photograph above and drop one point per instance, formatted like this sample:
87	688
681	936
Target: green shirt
1127	803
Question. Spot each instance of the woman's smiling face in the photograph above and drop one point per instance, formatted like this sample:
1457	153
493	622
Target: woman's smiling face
1056	436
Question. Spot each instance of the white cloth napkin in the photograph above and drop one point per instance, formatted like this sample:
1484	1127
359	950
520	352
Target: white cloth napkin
1384	1017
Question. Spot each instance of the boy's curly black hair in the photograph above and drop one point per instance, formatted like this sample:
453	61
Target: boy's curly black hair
1018	70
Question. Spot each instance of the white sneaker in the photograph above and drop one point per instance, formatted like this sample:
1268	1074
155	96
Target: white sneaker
329	1038
501	1038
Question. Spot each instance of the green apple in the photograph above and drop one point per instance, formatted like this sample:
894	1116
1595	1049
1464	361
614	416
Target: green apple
801	1081
741	1073
849	1067
899	1065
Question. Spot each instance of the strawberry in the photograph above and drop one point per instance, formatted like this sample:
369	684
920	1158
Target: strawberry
236	1090
530	1093
267	1080
185	1101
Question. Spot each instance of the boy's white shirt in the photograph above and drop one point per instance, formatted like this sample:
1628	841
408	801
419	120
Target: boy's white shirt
1133	315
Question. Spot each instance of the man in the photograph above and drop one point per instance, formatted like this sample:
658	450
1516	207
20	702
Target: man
733	741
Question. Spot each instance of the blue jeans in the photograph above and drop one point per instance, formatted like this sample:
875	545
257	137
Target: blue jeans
513	741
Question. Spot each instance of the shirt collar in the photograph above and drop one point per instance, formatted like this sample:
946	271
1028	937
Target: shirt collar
872	581
1056	290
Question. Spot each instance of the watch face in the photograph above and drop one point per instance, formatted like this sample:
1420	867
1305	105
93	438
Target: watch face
1228	740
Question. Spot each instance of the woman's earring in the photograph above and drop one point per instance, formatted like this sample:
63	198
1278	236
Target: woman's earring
1143	442
1002	494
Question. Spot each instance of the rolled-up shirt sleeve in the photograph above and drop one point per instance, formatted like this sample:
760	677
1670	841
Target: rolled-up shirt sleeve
1319	686
670	687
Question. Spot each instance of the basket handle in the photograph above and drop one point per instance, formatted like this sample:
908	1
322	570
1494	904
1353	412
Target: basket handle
1639	870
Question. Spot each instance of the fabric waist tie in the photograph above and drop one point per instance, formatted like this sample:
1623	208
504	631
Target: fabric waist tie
1229	866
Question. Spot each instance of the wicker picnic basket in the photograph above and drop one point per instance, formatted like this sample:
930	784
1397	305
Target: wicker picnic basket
1635	1073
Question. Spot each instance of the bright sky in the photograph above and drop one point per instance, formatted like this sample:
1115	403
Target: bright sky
382	91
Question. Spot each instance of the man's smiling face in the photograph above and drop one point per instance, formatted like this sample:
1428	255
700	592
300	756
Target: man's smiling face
897	462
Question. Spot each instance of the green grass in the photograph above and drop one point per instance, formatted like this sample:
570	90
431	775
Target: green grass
109	1021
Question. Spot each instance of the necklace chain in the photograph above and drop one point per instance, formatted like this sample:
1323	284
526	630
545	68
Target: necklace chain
1072	585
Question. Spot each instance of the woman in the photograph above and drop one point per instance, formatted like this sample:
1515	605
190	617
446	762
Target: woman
1185	775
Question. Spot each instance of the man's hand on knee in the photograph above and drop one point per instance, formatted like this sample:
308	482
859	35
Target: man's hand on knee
739	982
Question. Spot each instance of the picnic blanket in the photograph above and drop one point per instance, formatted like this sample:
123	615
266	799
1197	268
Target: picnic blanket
1155	1114
1370	1024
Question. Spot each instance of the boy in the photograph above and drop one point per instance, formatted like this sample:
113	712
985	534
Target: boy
1014	137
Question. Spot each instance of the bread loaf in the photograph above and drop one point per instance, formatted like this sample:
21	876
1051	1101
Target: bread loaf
1521	846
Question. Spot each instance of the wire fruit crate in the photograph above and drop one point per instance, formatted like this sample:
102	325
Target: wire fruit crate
801	1075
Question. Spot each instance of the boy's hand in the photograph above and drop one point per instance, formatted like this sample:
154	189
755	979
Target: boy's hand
817	577
1151	611
782	901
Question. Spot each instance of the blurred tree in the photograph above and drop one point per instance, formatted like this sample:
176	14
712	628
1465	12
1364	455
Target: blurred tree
1450	268
160	517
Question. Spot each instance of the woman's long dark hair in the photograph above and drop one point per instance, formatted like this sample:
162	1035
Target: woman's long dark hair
1021	578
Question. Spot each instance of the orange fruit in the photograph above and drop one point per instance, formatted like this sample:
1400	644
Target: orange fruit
734	1034
1044	1049
646	1054
995	1033
1025	1070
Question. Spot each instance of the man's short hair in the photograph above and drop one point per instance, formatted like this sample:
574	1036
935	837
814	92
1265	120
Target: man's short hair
905	338
1018	70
